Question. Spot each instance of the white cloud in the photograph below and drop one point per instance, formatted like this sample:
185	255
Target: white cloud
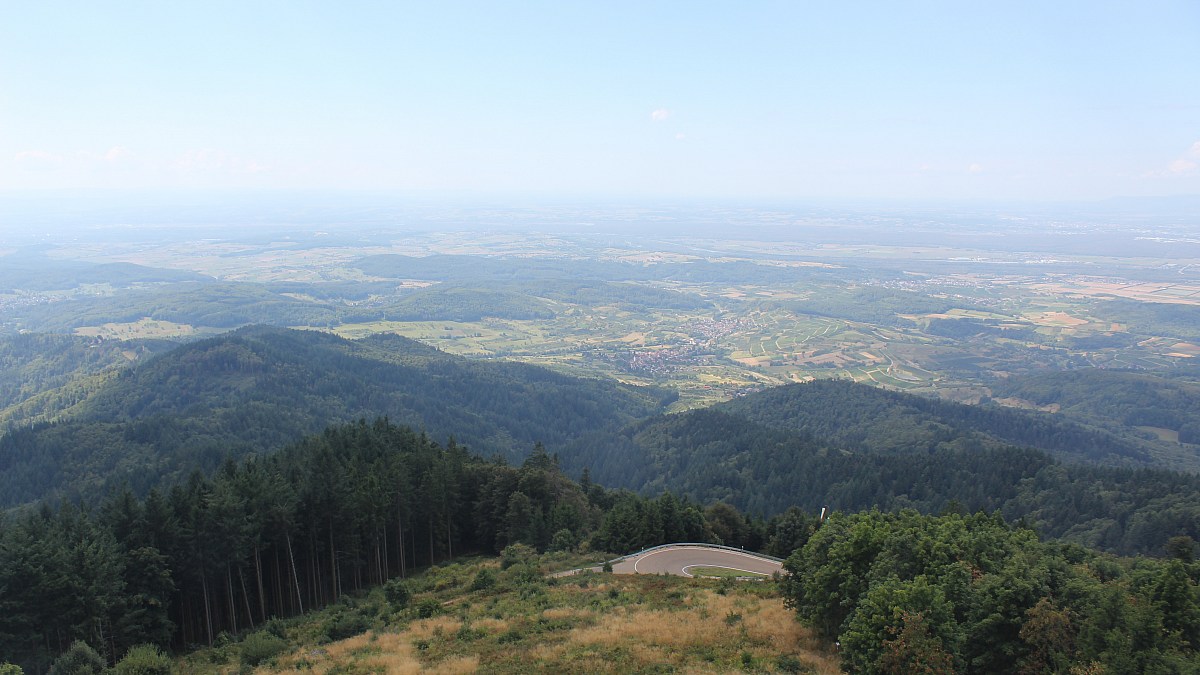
209	160
1181	166
975	167
660	114
680	137
1185	164
205	159
248	166
36	158
117	153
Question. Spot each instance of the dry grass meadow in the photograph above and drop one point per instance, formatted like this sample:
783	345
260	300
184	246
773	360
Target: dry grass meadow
592	623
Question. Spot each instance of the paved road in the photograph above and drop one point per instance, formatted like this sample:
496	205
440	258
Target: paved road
680	560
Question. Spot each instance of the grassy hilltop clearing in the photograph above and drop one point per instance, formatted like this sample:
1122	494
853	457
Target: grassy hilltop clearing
473	616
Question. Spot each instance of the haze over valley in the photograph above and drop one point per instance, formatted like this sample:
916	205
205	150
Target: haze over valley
620	338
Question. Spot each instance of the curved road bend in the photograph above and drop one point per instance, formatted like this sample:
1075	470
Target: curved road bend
678	561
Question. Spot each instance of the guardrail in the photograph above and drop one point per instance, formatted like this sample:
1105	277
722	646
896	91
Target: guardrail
685	544
696	545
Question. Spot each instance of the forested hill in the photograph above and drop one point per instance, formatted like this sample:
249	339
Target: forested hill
1116	398
43	375
225	560
715	454
871	419
259	388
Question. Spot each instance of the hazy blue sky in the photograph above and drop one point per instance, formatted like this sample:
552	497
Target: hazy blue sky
1037	100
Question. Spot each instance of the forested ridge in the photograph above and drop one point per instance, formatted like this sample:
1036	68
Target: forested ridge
906	593
1116	398
273	536
853	460
364	504
42	375
259	388
872	419
177	501
824	443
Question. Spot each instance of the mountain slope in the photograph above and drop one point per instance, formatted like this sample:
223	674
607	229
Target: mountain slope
258	388
932	463
1122	400
42	375
871	419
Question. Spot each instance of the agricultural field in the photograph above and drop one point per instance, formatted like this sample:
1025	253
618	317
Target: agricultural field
751	314
741	345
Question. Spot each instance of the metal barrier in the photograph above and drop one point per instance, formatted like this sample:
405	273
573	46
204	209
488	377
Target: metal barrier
695	545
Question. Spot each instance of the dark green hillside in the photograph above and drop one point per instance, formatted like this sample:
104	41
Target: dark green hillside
209	305
42	375
1113	397
474	268
513	292
477	268
712	455
716	454
258	388
905	593
875	305
445	302
601	293
37	273
871	419
233	560
1152	318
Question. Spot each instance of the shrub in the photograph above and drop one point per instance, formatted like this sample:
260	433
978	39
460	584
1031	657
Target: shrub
346	624
428	607
513	635
787	663
10	669
563	540
277	628
516	553
397	593
467	634
144	660
484	580
526	574
79	659
261	646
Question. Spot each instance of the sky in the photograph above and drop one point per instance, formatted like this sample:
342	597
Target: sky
679	100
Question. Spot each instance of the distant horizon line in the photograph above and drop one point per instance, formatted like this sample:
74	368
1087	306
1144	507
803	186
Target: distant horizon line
568	198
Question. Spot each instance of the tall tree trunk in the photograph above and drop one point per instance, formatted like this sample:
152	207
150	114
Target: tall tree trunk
184	618
400	545
315	573
232	604
380	559
280	585
431	542
262	596
207	608
387	573
295	577
333	570
246	597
